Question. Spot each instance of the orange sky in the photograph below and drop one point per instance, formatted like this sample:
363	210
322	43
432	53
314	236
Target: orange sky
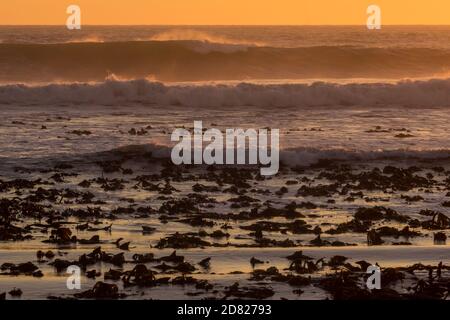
224	11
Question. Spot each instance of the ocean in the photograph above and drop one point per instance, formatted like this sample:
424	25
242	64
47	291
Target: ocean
86	119
347	81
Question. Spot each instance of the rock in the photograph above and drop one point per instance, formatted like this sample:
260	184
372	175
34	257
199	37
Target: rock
40	255
22	268
143	258
318	242
298	255
62	265
373	238
255	293
38	274
203	285
182	241
440	238
393	232
122	246
254	261
113	274
62	235
15	292
92	274
363	264
140	275
49	254
337	261
438	222
100	290
118	259
378	213
147	230
93	240
172	258
205	263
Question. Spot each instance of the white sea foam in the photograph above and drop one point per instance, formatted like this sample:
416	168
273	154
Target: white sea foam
299	156
423	93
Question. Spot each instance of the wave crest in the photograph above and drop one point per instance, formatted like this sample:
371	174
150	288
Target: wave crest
293	157
207	58
425	93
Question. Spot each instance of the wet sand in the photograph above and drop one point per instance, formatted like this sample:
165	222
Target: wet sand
342	216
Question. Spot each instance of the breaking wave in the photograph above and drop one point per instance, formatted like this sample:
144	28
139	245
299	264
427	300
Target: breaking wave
423	93
168	58
291	157
296	156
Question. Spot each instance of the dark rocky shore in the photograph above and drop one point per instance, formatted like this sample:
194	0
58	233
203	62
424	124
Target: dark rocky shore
72	205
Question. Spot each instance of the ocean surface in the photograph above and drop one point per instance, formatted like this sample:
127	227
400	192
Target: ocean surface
222	53
332	91
369	98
